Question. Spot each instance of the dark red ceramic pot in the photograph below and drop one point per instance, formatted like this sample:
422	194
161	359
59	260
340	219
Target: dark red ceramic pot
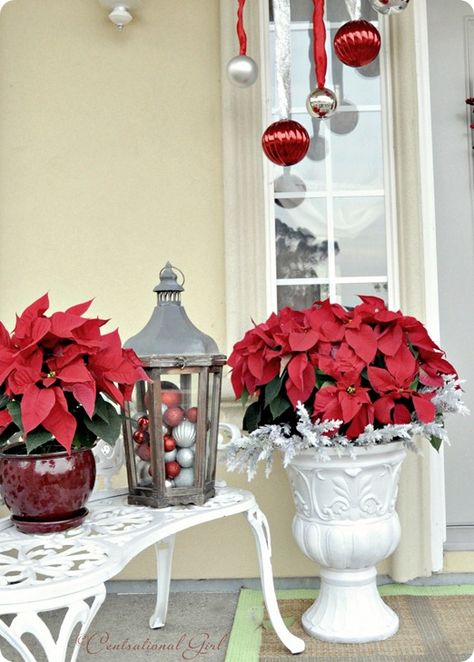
46	493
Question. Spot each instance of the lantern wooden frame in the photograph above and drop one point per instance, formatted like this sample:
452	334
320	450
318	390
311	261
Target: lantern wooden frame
208	368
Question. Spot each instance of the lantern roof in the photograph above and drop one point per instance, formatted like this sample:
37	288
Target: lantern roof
169	330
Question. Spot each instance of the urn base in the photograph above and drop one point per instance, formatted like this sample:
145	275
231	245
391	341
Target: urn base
349	609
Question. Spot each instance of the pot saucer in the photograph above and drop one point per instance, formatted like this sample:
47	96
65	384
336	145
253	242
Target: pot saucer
27	525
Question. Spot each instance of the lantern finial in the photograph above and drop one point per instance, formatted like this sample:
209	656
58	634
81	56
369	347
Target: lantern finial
168	289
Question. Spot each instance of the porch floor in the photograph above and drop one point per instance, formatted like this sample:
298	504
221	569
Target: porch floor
200	618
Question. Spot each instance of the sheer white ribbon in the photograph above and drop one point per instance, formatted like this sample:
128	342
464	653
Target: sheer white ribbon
354	9
282	20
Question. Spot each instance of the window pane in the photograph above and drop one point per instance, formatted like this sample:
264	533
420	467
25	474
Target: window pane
336	11
357	157
348	295
301	240
359	229
300	296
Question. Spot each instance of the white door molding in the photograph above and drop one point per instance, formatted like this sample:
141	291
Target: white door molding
428	215
247	177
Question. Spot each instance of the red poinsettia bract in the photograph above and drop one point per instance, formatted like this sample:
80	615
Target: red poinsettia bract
53	364
368	365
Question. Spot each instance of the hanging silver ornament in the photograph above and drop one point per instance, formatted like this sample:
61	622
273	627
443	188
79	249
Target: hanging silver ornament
322	103
389	6
242	71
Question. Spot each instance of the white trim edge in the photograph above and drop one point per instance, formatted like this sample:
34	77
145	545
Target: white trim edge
430	262
469	2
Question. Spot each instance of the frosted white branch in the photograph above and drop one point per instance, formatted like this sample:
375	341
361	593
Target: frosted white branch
245	453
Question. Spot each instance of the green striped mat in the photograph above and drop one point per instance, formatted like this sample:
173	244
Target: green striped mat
251	622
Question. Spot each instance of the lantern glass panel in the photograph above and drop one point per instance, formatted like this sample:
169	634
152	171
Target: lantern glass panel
165	423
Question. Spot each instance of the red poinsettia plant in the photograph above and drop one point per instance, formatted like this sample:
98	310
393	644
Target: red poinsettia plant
59	378
364	369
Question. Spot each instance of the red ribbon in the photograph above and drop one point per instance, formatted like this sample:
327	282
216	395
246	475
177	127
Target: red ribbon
319	45
240	28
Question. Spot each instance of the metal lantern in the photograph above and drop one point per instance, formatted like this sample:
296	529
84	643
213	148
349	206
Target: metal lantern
171	424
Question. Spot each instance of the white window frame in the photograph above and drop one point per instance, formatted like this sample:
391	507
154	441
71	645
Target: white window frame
388	193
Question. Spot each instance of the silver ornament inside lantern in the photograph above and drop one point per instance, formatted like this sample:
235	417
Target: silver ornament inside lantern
242	71
389	6
321	103
171	427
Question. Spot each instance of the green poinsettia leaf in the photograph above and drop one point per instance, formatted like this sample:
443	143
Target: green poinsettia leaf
15	412
4	400
252	417
244	397
83	437
108	431
414	385
272	390
279	405
37	438
102	409
435	442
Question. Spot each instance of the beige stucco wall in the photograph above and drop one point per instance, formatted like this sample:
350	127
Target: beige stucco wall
110	164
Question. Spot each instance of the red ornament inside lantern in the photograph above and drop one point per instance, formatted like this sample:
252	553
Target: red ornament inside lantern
285	142
357	43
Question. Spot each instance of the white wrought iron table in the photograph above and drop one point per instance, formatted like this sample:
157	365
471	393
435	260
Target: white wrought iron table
40	573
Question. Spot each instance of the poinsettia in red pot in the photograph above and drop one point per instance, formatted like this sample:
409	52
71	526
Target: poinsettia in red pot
61	381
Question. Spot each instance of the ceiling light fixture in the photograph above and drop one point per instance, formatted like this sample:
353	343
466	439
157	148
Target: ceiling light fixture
120	13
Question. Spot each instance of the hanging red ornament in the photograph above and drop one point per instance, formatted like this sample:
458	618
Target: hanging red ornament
321	102
285	142
357	43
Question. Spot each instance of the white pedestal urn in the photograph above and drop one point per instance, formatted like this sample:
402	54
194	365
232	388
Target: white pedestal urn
346	521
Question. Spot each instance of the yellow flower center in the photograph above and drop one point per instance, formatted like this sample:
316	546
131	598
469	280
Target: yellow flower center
351	390
51	375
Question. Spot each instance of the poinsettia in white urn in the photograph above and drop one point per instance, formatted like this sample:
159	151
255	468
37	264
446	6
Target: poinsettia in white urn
341	394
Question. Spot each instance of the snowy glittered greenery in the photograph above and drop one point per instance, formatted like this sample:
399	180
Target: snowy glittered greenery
260	445
448	399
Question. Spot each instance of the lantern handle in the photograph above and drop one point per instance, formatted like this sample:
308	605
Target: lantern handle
176	269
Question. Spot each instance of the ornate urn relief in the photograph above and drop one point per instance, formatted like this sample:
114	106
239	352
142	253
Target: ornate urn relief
346	521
